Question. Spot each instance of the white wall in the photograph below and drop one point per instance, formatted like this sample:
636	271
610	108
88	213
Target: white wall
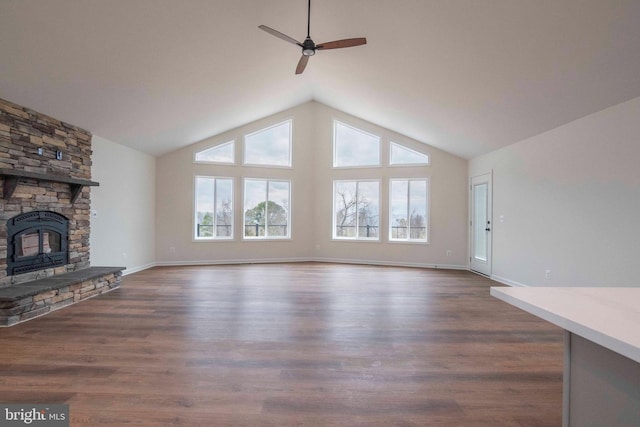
312	176
175	199
448	203
123	231
571	203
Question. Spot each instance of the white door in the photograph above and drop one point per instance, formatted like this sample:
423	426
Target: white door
481	225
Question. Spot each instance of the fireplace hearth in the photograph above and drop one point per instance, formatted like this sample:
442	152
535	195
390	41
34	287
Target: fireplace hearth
36	241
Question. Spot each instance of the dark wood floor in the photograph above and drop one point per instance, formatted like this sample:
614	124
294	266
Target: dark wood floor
290	345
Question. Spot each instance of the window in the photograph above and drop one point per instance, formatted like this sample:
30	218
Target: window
354	147
266	209
270	146
355	210
214	208
408	206
401	155
223	153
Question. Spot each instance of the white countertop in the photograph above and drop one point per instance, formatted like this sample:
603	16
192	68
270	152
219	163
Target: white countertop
609	317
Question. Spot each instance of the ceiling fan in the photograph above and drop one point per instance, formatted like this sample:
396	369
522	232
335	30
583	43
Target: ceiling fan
309	47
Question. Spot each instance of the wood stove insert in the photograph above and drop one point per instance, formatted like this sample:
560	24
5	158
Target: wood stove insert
36	241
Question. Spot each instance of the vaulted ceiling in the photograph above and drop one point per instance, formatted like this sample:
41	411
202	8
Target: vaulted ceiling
466	76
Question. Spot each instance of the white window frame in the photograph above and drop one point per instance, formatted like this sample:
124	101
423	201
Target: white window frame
334	225
211	162
244	210
335	154
427	211
215	237
267	165
404	147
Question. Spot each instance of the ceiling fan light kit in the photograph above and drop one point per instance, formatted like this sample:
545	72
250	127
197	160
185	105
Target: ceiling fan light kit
309	48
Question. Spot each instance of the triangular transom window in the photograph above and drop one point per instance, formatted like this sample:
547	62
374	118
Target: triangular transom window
223	153
270	146
401	155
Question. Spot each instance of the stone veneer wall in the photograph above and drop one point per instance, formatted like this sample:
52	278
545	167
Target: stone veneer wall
22	132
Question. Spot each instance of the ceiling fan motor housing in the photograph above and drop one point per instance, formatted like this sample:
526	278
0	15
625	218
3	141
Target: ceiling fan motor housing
308	47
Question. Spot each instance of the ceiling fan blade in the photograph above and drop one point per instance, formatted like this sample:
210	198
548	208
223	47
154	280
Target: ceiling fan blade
302	64
279	35
337	44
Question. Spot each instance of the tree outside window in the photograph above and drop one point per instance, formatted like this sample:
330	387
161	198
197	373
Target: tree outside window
214	208
356	210
266	212
408	210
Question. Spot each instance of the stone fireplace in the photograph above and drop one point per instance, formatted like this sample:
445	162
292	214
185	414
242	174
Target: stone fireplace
45	180
38	154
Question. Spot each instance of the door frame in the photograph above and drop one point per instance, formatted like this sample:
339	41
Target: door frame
489	180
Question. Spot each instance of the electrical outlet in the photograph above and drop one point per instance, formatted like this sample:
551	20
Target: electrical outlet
449	252
172	250
547	274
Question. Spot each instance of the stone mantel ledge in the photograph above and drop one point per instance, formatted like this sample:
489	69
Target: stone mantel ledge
12	176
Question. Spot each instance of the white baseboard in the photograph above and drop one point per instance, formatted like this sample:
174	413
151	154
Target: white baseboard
132	270
309	259
239	261
392	263
509	282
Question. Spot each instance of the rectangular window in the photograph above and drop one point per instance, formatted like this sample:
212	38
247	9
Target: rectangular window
214	208
409	207
356	210
266	209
